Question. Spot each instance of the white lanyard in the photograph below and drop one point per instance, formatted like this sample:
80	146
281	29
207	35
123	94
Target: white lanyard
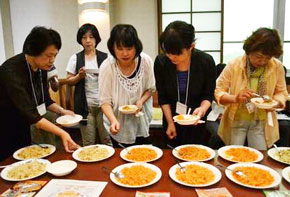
187	85
33	90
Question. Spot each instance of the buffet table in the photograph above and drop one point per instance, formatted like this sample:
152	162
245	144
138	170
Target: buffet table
93	172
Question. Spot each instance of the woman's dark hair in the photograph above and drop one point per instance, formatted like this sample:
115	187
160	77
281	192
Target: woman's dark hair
86	28
124	35
266	40
39	39
177	35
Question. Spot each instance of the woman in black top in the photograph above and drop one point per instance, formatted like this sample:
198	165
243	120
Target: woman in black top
184	75
86	95
24	94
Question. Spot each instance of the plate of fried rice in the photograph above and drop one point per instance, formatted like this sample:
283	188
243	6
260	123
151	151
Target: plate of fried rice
34	152
25	170
93	153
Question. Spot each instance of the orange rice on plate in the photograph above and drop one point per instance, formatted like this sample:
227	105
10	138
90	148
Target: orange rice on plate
253	176
179	117
141	154
195	175
193	153
241	155
137	175
127	108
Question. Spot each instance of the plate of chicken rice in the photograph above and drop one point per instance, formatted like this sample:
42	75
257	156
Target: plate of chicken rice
253	175
136	175
236	153
195	174
141	153
192	152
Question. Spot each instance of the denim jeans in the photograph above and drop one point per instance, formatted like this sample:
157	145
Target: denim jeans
252	130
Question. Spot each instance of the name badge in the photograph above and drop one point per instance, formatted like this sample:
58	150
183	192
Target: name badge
180	108
41	109
250	107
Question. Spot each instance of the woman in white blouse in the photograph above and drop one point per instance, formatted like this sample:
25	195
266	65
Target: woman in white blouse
126	78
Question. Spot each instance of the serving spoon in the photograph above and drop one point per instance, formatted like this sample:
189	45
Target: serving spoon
182	168
124	148
275	146
237	172
116	174
173	148
265	97
40	145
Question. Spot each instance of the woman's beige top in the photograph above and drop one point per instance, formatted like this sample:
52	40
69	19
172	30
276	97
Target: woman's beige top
233	79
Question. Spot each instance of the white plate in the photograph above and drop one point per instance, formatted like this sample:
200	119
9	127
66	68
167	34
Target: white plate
133	109
214	170
68	120
62	167
188	119
258	103
286	174
124	152
52	150
147	165
10	167
209	150
222	150
277	177
109	148
272	153
92	71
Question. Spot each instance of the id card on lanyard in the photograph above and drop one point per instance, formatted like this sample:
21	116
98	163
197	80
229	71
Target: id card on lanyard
40	108
180	107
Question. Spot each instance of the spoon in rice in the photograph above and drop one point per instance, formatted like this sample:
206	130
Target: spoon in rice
173	148
182	168
116	174
275	146
4	166
40	145
124	148
265	97
237	172
27	161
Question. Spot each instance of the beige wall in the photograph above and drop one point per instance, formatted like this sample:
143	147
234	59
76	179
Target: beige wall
2	49
142	14
62	15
